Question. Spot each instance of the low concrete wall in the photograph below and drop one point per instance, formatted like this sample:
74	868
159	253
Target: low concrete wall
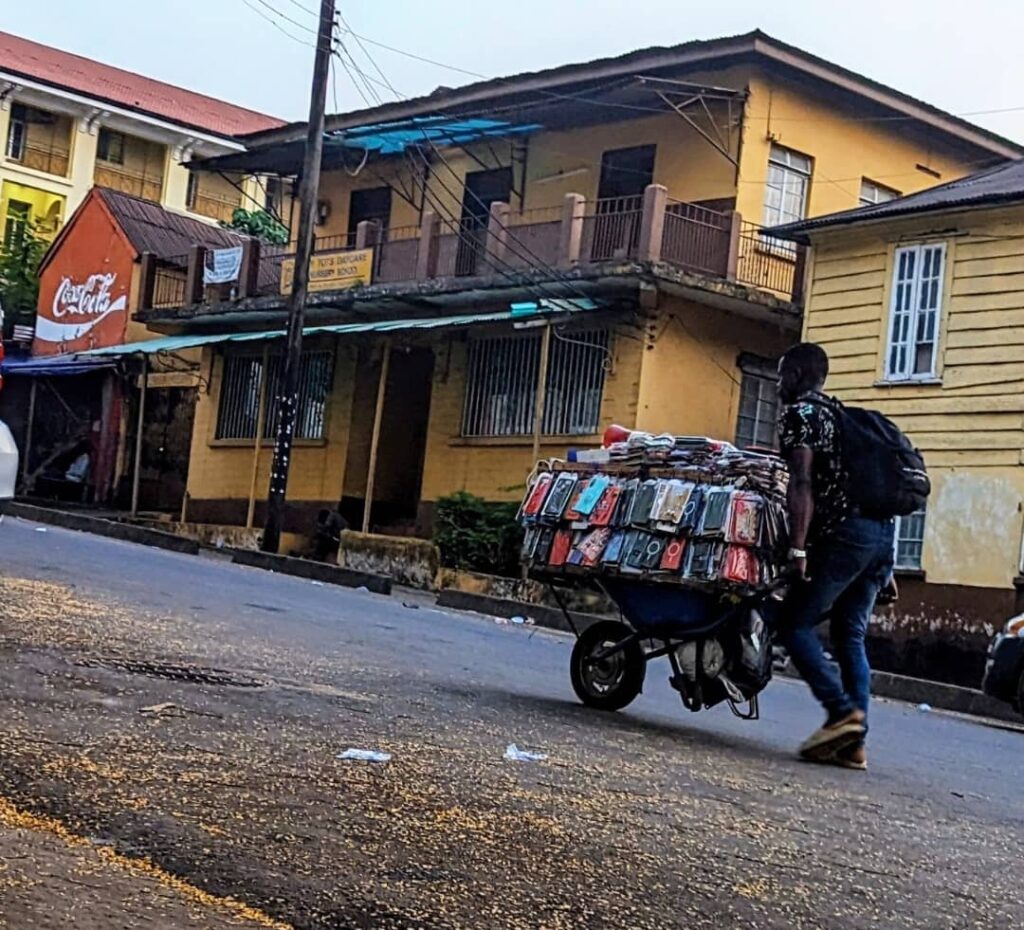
411	562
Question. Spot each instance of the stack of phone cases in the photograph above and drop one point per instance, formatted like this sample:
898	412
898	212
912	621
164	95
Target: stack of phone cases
662	528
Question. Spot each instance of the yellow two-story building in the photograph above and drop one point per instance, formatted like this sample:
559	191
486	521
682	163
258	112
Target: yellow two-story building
507	268
920	304
68	123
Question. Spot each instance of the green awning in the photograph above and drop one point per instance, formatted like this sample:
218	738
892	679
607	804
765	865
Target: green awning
176	343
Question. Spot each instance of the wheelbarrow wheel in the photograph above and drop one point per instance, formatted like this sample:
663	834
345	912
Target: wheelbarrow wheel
614	681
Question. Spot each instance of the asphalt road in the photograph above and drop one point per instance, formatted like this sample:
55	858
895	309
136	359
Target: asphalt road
188	712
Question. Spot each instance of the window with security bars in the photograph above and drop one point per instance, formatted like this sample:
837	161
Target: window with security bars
757	422
915	310
239	411
909	541
502	377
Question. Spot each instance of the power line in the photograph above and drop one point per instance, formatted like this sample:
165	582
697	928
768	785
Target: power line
288	19
527	255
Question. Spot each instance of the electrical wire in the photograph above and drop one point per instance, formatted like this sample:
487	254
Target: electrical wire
511	240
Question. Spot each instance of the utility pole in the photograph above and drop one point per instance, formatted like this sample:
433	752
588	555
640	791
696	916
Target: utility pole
309	185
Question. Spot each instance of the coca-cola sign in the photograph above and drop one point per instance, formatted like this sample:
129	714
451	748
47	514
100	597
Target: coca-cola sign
90	298
78	306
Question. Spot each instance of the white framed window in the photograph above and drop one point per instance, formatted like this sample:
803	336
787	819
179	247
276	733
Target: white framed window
872	193
787	186
17	132
909	543
915	309
757	423
501	384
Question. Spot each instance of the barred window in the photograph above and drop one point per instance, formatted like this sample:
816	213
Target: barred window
238	414
501	384
757	423
910	541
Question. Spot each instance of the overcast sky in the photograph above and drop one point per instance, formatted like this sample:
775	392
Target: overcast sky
962	57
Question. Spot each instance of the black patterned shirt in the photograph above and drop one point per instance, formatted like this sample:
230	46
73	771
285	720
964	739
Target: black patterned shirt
814	426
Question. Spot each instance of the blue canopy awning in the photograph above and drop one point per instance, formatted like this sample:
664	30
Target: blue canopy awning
52	367
395	138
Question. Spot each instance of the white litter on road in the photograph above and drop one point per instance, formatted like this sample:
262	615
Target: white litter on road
40	529
514	754
519	620
364	755
924	708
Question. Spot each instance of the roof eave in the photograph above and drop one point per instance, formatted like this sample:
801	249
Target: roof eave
756	43
804	233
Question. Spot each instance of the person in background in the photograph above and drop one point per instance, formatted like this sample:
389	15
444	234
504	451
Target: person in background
841	560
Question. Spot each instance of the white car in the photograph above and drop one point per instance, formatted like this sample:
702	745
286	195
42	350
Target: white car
8	462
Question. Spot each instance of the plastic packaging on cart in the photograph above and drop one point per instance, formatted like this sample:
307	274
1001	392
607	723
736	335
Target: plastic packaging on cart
688	510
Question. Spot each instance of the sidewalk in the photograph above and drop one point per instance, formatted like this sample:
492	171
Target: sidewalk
52	880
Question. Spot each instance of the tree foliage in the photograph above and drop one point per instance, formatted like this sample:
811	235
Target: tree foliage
19	275
259	224
476	534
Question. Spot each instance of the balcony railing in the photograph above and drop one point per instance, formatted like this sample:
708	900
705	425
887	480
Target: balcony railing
138	184
48	159
650	228
215	206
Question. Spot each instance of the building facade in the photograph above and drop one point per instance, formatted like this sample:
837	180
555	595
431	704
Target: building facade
622	200
920	304
68	123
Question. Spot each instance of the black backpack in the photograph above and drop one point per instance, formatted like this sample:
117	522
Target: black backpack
886	475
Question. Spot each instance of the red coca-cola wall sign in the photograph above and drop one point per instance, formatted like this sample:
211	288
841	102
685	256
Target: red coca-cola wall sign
85	286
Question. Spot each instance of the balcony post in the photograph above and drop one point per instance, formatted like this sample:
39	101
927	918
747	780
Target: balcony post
147	280
732	261
652	223
426	256
194	278
497	234
367	234
249	273
800	274
570	239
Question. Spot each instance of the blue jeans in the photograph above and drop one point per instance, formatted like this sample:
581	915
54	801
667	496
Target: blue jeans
847	570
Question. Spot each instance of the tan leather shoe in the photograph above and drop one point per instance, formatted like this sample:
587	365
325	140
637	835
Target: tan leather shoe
833	737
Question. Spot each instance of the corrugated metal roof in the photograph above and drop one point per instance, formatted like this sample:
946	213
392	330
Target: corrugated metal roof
1002	184
534	86
151	228
177	343
125	88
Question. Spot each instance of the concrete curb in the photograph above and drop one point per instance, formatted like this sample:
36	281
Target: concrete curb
549	617
84	523
938	695
315	571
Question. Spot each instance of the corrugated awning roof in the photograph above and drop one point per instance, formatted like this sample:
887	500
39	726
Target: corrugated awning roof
53	366
166	344
390	138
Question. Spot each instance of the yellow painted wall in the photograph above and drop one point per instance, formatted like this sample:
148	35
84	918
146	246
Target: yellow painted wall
47	207
336	188
219	470
970	423
496	469
690	381
846	141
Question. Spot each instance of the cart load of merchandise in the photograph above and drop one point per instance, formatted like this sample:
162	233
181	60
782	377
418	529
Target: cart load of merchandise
674	509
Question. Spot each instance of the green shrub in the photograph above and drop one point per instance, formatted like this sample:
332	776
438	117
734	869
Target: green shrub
476	534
